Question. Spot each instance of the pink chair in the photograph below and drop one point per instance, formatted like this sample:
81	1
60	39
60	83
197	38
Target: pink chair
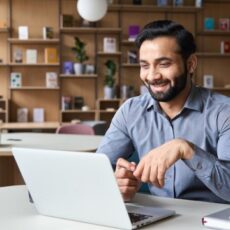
75	129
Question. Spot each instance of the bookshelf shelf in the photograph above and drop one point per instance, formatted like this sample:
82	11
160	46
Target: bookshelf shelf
109	54
154	8
33	41
128	65
213	55
83	76
214	33
89	30
33	65
78	111
4	30
34	88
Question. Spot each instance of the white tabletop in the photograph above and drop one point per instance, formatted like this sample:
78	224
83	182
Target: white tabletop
50	141
17	213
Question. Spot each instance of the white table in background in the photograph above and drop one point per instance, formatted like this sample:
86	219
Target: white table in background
9	173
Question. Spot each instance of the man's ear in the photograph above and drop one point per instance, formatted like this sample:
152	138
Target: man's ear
192	64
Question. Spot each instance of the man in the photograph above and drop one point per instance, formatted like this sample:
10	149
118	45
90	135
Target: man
181	132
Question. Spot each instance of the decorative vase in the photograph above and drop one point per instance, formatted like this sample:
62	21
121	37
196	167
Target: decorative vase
78	68
108	92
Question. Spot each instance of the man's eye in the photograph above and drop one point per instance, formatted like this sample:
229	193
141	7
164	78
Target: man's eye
165	64
144	66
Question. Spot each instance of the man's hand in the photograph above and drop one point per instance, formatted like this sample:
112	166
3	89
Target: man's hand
153	166
127	183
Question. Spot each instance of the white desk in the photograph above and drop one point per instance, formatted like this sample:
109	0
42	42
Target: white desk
17	213
9	173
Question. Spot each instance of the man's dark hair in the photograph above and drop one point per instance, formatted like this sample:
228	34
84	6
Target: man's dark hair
167	28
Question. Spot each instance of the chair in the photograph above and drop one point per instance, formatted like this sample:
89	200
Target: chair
100	127
75	129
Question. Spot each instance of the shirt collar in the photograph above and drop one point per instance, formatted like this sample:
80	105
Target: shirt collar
193	101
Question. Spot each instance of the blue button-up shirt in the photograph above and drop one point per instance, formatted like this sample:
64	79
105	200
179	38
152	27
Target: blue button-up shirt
140	125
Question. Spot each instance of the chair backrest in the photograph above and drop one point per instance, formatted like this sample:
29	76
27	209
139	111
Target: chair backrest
100	127
76	129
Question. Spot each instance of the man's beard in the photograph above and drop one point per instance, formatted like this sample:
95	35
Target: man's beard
172	92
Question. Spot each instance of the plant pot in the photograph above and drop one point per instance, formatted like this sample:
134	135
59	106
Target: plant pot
78	68
109	92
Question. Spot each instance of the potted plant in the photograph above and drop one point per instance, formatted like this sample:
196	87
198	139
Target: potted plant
109	79
80	56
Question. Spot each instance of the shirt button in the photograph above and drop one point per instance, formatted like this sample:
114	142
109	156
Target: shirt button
199	166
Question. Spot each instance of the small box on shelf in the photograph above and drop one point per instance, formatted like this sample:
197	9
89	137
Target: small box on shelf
133	32
178	2
208	81
22	115
224	24
162	3
23	32
209	23
78	102
18	56
47	32
15	80
38	115
137	2
66	20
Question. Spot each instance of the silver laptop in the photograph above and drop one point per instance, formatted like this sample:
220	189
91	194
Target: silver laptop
80	186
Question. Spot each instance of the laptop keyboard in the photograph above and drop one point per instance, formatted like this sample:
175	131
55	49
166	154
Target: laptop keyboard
135	217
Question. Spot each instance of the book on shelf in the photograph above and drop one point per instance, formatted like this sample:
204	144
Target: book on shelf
51	55
178	2
23	32
132	57
47	32
224	47
209	23
51	80
109	45
22	115
133	32
15	80
38	115
224	24
31	56
162	3
66	20
66	103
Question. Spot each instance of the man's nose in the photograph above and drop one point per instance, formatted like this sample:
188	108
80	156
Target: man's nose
153	74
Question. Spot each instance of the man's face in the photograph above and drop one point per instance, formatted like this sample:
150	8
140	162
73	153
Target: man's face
162	68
